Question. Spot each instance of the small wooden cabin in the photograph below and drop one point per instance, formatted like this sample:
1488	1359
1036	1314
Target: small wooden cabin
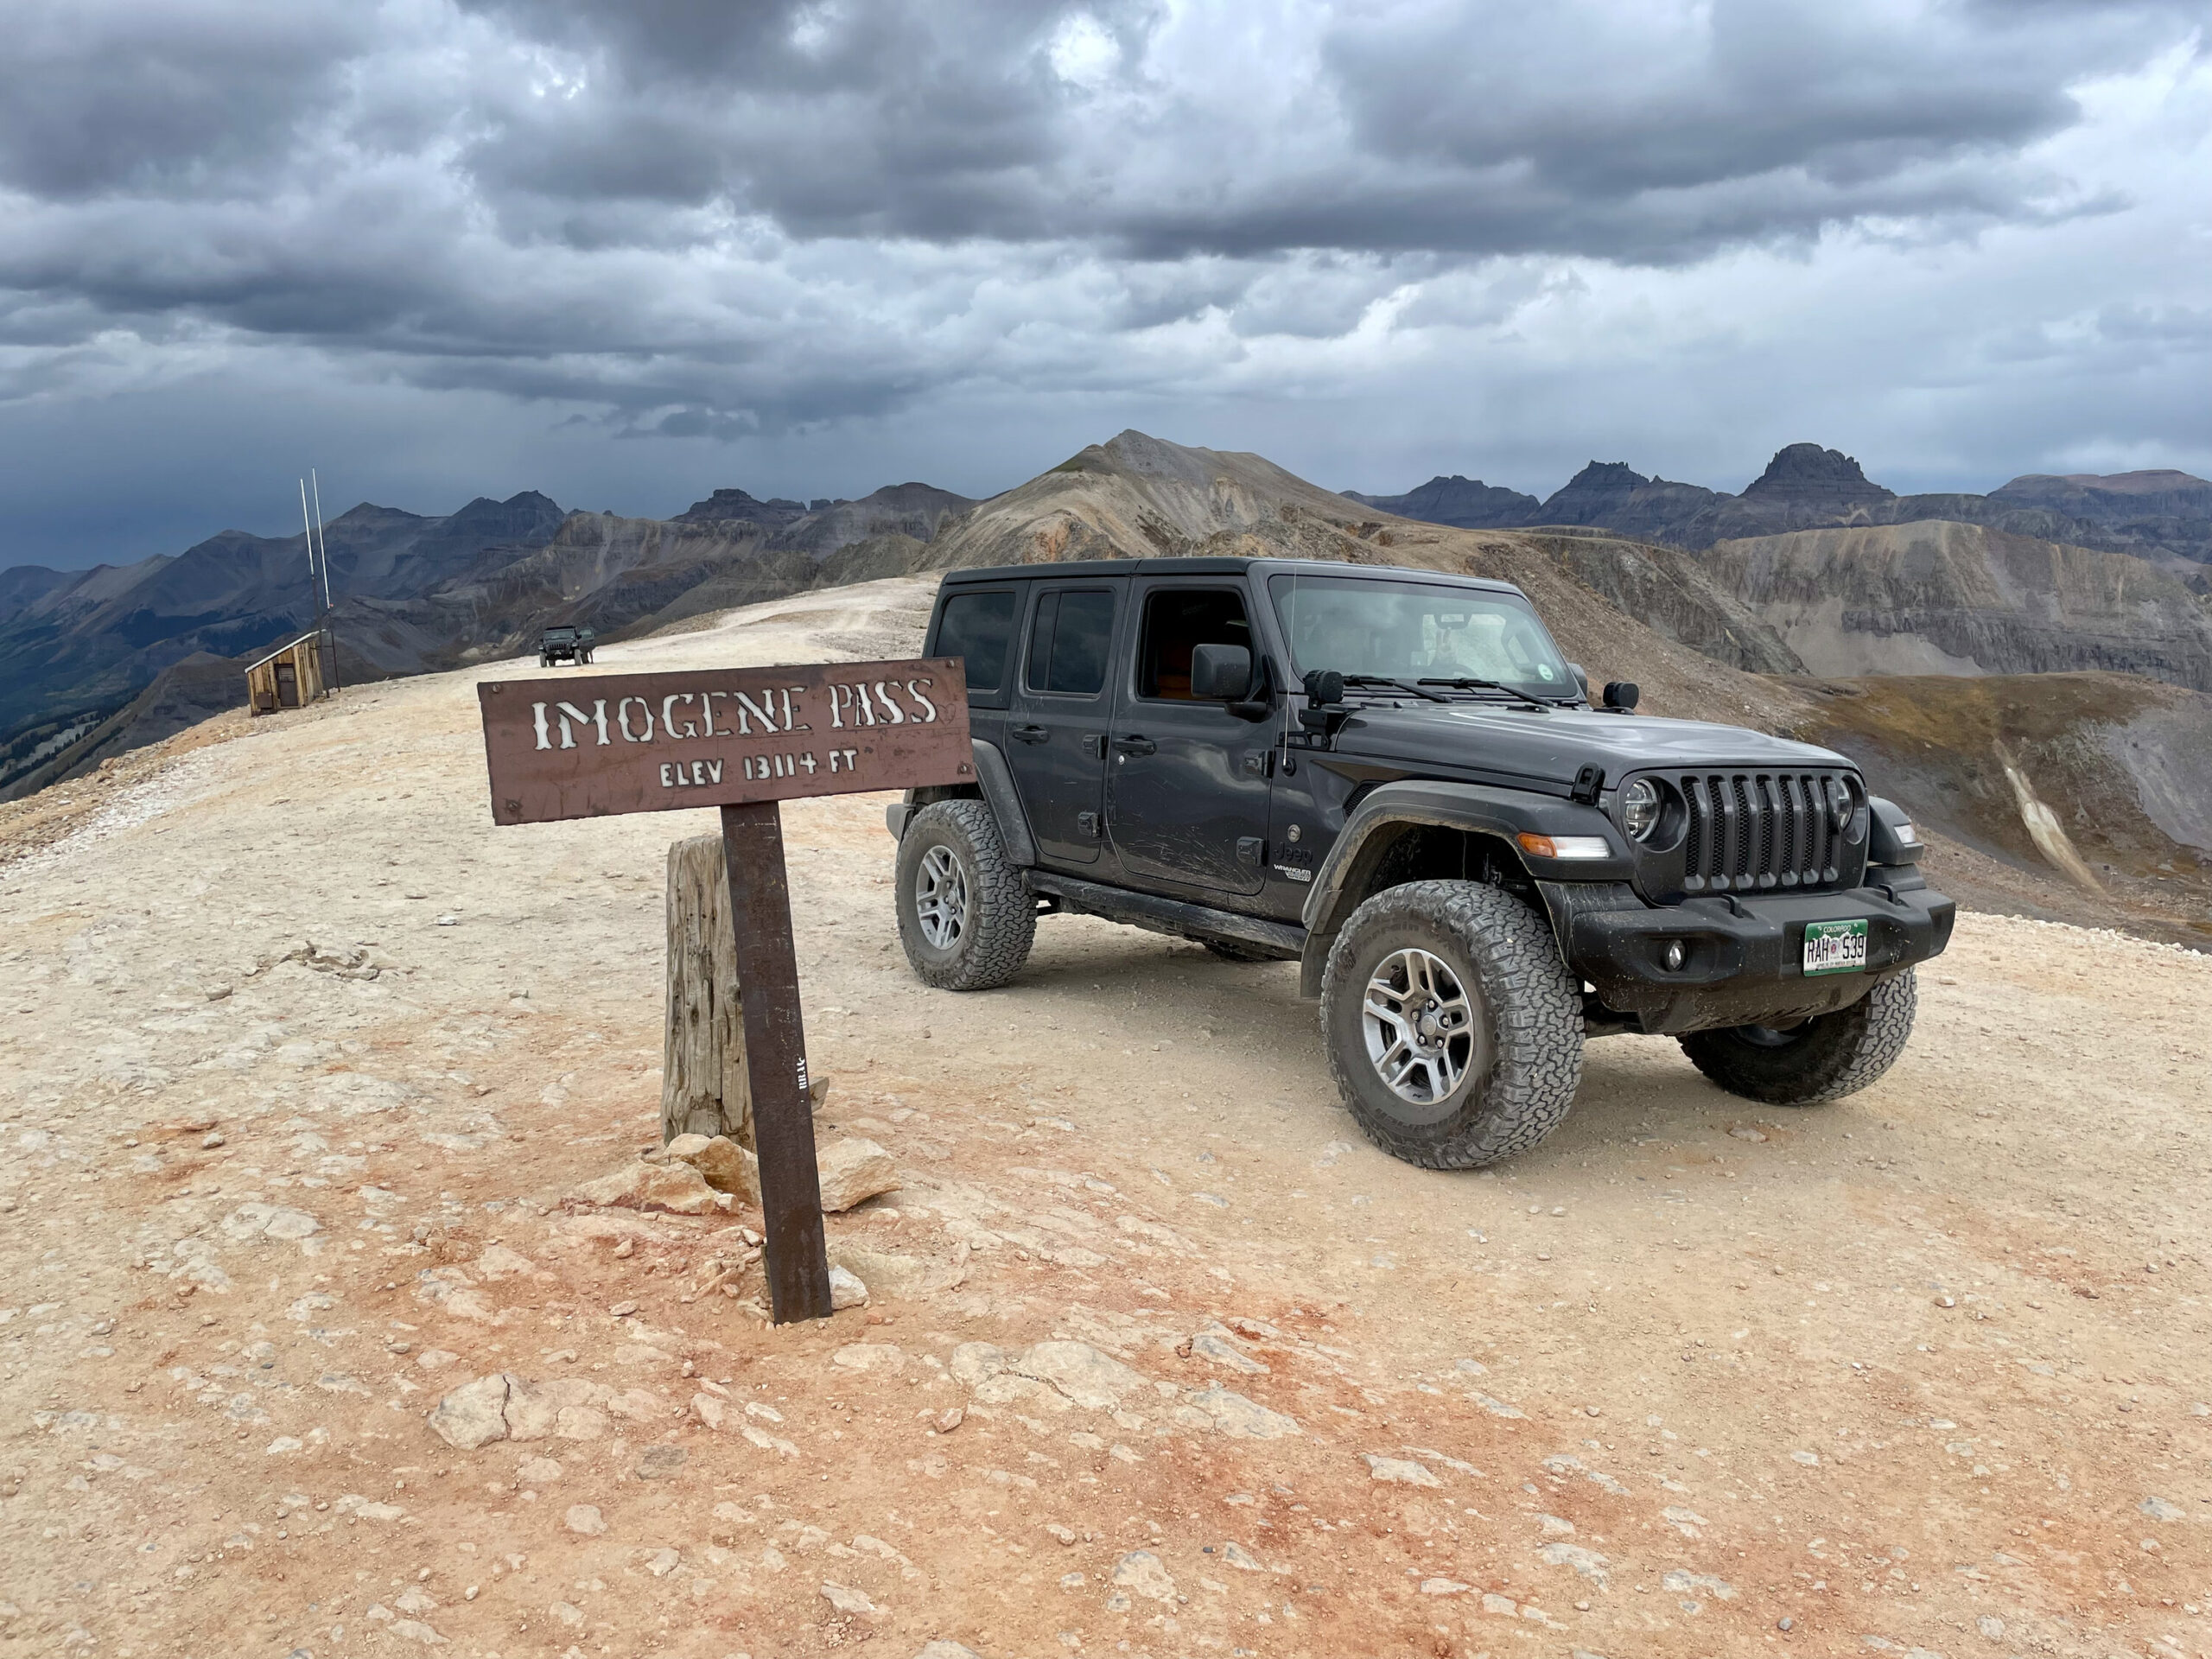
290	676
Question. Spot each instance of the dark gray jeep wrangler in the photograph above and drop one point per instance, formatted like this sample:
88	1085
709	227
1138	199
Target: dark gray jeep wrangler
1392	777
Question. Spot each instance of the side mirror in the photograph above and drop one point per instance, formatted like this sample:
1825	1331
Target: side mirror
1581	678
1221	673
1623	695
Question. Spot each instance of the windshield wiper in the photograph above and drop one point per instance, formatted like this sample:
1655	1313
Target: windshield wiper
1395	685
1512	692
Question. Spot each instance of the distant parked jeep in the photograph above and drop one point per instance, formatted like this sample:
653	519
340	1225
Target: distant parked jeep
564	644
1392	777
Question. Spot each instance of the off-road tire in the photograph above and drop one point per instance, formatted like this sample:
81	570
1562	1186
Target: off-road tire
1229	951
1001	917
1527	1010
1831	1055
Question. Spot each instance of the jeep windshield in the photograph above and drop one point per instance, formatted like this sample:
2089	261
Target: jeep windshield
1395	636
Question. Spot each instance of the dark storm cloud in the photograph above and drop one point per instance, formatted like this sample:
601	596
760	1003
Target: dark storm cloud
185	100
684	217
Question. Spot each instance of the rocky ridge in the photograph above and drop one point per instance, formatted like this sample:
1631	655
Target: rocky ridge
2162	516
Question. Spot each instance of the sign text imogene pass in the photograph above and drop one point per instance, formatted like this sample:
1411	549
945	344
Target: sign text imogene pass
589	746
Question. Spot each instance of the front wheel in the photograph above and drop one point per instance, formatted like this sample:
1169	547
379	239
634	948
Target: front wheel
966	918
1819	1060
1453	1028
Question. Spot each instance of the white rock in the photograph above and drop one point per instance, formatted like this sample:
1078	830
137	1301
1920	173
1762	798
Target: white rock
727	1167
1232	1415
1240	1558
585	1518
869	1357
1689	1584
1402	1470
1218	1349
475	1414
845	1600
947	1651
1141	1571
269	1221
888	1273
537	1471
972	1363
1093	1380
845	1290
1587	1562
1497	1407
2160	1509
497	1261
854	1170
1444	1587
676	1187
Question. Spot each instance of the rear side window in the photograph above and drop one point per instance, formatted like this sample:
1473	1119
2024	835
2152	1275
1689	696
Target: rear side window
978	628
1069	641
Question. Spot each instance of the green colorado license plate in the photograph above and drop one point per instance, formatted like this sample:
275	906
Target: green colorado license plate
1835	948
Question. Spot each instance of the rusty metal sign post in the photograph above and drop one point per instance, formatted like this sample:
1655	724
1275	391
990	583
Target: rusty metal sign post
742	740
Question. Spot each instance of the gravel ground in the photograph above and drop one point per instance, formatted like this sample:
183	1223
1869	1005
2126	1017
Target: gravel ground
299	1057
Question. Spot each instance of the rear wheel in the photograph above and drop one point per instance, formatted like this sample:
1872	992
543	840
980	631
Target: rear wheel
966	918
1819	1060
1453	1028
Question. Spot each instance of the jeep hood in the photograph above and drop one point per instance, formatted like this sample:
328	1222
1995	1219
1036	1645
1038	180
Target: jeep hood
1553	745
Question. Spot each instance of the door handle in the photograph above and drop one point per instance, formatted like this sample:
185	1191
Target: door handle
1031	734
1134	744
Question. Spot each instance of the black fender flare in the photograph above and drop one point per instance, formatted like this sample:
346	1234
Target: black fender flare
1341	884
995	781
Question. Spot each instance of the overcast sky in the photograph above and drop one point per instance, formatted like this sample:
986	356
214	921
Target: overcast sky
626	252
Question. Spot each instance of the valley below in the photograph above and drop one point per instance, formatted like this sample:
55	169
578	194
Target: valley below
302	1063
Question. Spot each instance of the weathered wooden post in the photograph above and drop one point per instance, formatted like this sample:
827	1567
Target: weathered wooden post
703	1089
605	744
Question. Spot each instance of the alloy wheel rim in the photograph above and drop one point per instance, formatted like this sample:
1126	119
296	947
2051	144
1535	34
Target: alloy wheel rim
941	899
1418	1021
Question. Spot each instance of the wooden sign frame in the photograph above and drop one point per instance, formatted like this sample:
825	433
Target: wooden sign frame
744	741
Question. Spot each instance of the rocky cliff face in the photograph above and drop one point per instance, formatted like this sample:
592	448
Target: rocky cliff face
1964	599
1811	484
2159	515
1464	503
735	506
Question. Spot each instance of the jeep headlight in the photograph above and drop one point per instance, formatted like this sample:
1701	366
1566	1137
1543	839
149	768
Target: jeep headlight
1640	809
1838	793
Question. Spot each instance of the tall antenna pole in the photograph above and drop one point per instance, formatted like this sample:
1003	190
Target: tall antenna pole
307	525
315	594
329	627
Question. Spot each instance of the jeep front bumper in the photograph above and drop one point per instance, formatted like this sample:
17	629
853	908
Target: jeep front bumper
1742	959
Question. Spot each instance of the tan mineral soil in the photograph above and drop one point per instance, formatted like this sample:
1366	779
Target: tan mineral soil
300	1057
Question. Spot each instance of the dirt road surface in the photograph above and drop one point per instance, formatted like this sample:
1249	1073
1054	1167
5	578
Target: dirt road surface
299	1057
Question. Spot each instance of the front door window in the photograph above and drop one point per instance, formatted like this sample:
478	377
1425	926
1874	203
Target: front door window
1187	787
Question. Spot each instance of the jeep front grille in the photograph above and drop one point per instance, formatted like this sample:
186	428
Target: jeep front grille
1755	831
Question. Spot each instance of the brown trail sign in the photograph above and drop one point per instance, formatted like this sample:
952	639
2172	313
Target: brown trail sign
741	740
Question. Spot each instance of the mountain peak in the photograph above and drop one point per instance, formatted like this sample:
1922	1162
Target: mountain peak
731	504
1806	472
